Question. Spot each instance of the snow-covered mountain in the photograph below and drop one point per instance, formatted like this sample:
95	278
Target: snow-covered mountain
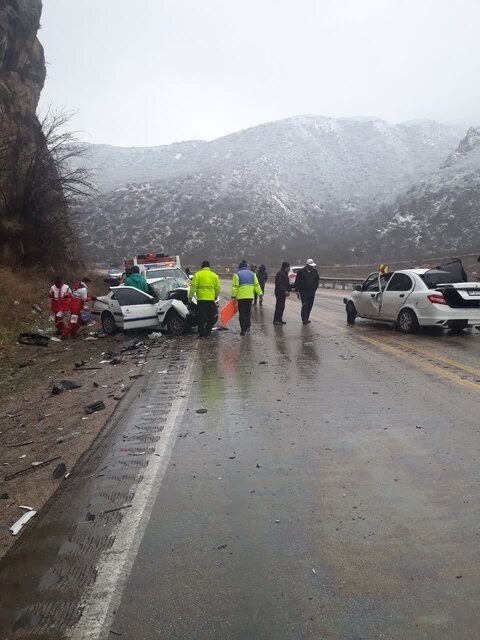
294	183
439	215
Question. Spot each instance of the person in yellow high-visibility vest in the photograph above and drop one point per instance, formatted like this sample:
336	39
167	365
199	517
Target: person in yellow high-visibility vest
244	286
206	284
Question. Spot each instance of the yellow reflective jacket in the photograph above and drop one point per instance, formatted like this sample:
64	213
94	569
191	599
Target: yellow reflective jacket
206	284
245	285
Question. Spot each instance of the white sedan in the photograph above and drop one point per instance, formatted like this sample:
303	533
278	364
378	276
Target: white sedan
166	306
414	298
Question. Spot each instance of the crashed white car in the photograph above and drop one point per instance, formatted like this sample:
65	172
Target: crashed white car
165	307
414	298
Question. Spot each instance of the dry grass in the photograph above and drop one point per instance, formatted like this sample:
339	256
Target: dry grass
28	288
25	288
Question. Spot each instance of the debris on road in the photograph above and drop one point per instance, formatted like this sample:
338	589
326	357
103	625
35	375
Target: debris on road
90	517
95	406
314	572
155	335
59	471
125	506
69	436
418	426
21	522
33	339
64	385
202	411
33	467
20	444
4	496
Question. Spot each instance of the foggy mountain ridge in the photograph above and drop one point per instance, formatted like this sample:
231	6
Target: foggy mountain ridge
440	214
284	186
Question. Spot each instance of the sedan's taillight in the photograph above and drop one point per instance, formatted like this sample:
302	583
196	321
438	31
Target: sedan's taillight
437	298
293	275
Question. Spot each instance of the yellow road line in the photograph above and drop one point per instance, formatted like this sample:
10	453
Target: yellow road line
431	368
432	354
449	375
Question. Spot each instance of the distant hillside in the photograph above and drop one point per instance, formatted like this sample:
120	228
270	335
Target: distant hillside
280	188
439	215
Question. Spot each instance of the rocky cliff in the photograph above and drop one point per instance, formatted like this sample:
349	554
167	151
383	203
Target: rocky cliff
32	216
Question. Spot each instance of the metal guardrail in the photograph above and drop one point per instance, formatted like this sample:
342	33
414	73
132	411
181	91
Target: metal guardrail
325	283
342	282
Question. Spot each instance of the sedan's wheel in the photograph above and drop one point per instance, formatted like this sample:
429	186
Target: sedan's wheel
407	321
351	313
176	324
108	323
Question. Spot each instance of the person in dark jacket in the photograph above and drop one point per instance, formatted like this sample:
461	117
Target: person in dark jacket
306	284
282	287
262	276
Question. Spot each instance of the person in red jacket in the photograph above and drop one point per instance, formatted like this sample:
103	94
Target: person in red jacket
77	302
60	294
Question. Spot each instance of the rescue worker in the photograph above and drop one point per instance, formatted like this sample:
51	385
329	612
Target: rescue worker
306	284
262	276
244	286
282	291
59	295
135	279
206	284
77	303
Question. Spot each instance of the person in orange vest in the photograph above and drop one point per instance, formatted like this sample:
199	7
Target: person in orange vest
77	302
59	294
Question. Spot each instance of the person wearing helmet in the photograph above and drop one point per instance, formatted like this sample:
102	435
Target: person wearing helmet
306	284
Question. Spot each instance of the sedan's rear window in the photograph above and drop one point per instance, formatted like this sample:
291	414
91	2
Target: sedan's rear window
448	273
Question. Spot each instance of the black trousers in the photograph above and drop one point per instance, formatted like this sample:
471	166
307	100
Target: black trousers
206	317
308	298
244	312
279	306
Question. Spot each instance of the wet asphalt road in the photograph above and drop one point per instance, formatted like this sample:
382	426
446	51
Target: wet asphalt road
330	491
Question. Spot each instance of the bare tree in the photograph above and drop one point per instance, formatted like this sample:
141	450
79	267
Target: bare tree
40	180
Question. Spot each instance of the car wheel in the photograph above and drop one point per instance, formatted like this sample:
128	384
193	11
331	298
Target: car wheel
351	313
458	325
176	324
407	321
108	323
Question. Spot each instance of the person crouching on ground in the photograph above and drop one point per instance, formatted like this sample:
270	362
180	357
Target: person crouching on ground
244	286
77	304
59	294
306	283
206	284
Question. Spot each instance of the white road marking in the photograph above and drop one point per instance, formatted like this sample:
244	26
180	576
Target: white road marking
103	597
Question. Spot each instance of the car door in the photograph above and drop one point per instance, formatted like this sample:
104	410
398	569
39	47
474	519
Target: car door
139	309
395	295
367	302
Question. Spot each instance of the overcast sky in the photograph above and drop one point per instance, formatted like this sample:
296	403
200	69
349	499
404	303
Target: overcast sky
149	72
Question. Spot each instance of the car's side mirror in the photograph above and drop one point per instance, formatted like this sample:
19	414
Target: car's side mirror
358	287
